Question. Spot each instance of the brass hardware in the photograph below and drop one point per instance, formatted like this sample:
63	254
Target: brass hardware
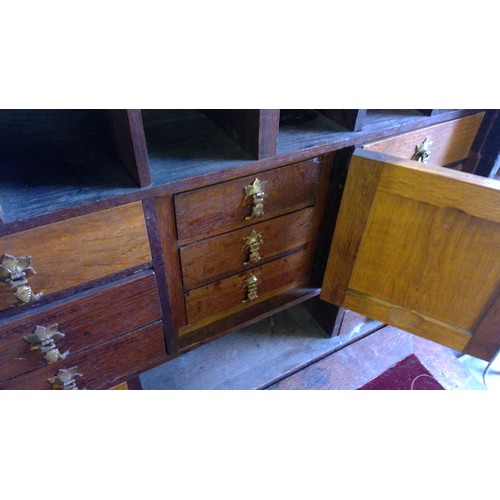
252	244
43	339
422	151
65	379
14	272
256	192
250	287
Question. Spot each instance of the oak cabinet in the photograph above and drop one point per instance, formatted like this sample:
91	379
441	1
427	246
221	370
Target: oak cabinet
193	223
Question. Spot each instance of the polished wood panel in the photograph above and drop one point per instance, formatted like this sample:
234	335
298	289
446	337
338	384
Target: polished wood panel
451	141
86	320
207	260
103	366
419	263
221	207
226	296
75	251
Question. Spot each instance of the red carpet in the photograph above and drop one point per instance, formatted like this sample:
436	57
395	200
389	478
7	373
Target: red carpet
408	374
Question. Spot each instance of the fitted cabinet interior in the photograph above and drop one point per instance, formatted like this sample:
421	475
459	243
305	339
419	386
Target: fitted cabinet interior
209	220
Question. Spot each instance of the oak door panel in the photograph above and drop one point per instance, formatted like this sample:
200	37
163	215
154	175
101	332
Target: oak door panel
422	252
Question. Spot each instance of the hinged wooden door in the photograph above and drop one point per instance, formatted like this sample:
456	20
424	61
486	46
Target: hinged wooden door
418	247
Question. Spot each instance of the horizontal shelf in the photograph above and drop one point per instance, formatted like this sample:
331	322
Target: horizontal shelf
55	159
307	128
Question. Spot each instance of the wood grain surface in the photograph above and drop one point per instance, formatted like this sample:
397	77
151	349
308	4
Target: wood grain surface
210	259
256	130
226	296
74	251
103	366
86	320
451	141
428	261
221	207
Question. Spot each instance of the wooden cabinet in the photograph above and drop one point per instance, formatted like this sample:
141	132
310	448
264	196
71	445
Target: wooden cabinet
152	232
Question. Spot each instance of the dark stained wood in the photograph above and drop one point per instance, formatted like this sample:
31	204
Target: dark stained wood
105	365
68	253
171	261
352	119
223	207
487	144
86	320
127	131
224	297
256	130
260	310
220	256
180	172
154	232
484	343
51	160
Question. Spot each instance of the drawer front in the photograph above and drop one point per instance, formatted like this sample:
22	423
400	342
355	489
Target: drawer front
226	206
451	141
228	295
85	321
211	259
79	250
105	365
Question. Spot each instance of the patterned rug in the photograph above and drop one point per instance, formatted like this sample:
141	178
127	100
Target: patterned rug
408	374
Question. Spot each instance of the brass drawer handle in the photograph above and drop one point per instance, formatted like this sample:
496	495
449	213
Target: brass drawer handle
43	339
252	245
14	272
65	379
256	193
423	151
250	287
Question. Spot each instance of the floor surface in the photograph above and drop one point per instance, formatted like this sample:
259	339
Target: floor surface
289	351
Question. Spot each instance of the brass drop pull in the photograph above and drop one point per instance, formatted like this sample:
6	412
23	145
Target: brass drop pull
256	193
43	339
252	245
250	287
65	379
14	272
423	151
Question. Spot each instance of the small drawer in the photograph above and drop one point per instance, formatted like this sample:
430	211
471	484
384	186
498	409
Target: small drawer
86	320
450	141
76	251
234	204
244	289
213	258
103	366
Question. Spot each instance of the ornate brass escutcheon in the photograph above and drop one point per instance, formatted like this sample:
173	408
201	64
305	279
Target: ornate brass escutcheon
252	244
14	272
255	191
422	151
250	287
65	379
43	339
